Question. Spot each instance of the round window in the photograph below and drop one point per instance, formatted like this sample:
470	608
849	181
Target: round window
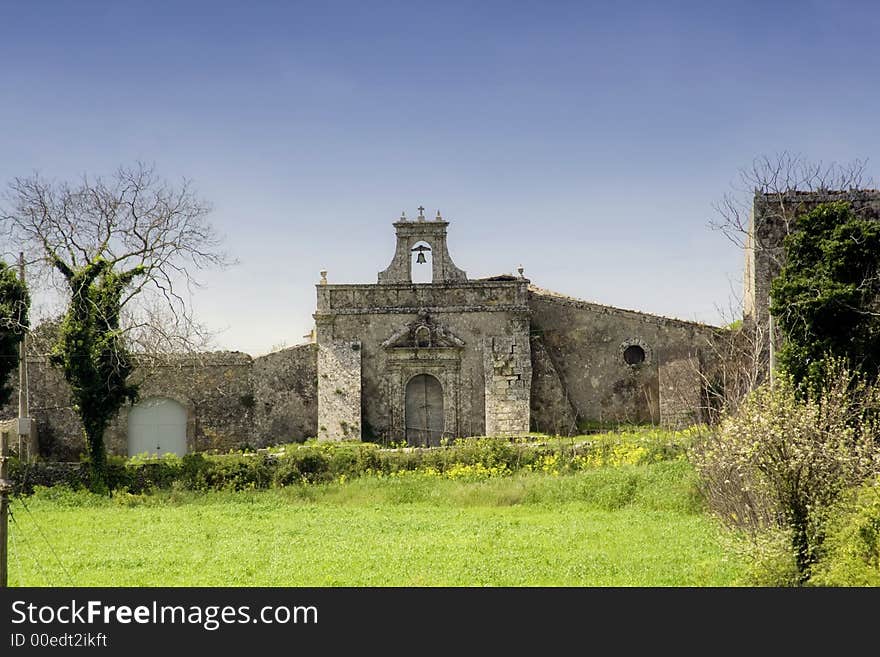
634	355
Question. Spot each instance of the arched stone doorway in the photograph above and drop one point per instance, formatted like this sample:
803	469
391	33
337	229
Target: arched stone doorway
157	426
424	410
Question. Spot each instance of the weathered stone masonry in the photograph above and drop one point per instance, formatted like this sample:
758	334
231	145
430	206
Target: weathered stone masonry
508	375
399	360
587	344
231	401
469	337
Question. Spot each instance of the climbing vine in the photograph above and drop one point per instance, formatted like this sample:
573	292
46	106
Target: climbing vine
92	355
826	296
14	305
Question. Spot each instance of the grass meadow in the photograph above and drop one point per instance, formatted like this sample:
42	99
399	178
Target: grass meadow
629	525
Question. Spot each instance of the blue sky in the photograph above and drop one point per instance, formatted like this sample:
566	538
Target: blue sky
585	141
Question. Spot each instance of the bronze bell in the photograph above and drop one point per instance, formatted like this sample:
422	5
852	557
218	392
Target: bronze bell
421	248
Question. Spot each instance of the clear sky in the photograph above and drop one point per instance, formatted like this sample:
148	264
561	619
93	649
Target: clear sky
586	141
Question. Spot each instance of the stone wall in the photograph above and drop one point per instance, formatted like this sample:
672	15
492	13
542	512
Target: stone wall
455	318
509	359
771	220
232	401
285	395
681	393
550	409
59	430
339	388
216	392
587	344
408	298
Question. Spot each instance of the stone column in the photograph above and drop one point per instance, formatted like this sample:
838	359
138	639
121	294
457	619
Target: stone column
339	390
508	374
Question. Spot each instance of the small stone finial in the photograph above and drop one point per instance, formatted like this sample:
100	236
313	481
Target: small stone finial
439	218
323	277
421	210
520	271
403	216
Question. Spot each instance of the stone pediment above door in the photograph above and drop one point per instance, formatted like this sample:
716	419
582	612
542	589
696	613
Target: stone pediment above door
423	333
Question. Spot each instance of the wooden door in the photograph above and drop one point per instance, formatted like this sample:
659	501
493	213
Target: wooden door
424	411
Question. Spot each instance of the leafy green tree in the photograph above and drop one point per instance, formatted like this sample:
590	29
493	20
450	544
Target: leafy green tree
826	299
14	305
92	354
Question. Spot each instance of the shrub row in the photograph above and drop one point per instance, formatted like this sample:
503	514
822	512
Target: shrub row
324	462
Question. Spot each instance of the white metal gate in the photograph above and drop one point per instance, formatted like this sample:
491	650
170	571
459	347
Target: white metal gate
157	426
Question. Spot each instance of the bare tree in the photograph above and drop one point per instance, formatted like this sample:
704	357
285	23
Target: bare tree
134	219
733	366
127	251
782	180
757	215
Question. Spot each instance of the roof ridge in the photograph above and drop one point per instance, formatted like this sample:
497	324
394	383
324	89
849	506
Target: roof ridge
558	295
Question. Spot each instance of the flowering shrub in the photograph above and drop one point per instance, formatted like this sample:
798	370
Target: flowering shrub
788	455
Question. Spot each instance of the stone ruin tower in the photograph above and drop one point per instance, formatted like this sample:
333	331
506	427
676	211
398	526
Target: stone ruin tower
421	362
772	218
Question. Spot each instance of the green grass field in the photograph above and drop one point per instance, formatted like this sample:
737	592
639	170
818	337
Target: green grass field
625	526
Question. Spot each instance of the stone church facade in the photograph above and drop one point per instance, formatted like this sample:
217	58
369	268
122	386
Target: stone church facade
423	361
396	360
